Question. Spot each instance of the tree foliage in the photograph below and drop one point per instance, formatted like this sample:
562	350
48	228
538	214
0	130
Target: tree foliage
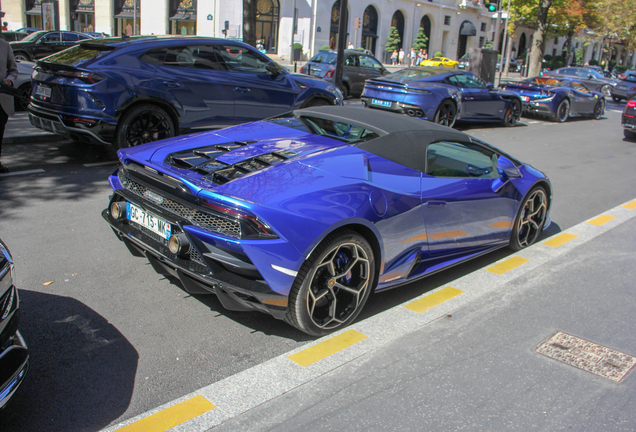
393	40
421	41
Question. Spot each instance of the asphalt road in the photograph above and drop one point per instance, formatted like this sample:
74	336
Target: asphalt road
111	339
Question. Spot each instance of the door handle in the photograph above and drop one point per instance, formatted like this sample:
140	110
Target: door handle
171	84
436	204
242	89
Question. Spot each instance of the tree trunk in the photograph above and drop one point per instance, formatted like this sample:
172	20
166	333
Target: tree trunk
536	55
249	22
568	48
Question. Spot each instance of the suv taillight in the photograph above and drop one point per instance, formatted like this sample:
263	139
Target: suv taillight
329	74
86	77
632	103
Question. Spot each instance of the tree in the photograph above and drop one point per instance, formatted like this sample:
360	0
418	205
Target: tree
421	41
249	22
393	40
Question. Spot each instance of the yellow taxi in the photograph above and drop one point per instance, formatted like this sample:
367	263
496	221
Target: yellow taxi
440	61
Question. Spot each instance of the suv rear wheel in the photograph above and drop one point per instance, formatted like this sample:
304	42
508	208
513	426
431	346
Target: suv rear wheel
143	124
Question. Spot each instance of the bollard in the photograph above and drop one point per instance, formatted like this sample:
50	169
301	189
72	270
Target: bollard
295	66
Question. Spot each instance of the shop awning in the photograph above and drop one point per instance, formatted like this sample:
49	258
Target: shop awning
35	11
191	17
467	29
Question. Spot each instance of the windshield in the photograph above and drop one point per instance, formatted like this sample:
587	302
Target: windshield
341	131
594	73
34	36
324	57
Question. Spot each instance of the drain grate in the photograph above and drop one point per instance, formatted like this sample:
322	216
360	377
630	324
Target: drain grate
589	356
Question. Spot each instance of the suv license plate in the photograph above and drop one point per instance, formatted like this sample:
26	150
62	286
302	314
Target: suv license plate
148	220
43	91
380	102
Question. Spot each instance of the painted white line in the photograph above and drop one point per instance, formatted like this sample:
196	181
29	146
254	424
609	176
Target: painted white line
533	122
96	164
245	390
17	173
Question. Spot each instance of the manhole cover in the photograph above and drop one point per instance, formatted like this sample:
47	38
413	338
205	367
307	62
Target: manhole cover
589	356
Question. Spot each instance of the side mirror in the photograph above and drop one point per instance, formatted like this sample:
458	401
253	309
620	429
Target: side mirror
273	69
507	169
490	86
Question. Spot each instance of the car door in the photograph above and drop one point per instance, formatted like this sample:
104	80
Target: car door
584	100
48	44
464	201
478	101
195	80
258	91
352	74
370	68
70	39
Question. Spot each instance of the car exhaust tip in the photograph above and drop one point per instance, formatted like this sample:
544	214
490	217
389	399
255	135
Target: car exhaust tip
411	113
419	113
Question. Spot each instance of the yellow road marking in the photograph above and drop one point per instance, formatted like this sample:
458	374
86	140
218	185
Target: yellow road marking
601	220
171	417
630	205
324	349
434	299
507	265
559	240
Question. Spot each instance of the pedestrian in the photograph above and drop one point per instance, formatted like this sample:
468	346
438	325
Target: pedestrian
413	57
4	26
420	56
401	56
394	57
350	46
8	74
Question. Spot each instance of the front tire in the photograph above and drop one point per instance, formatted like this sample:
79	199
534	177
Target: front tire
599	109
344	89
446	114
317	102
333	285
143	124
606	90
616	99
513	114
22	56
530	219
563	111
630	135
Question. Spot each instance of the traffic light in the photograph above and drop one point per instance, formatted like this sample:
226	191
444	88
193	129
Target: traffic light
491	6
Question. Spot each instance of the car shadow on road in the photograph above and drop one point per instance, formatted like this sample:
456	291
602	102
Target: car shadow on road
82	369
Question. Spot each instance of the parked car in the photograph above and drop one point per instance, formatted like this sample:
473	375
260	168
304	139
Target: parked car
44	43
626	89
591	78
97	35
358	67
443	96
513	65
11	36
29	30
23	84
558	98
464	62
14	353
140	89
626	74
440	61
303	215
628	119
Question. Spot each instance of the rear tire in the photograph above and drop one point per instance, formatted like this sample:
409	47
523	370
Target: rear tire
513	113
22	56
616	99
333	285
563	111
21	103
630	135
344	89
599	109
606	90
446	114
143	124
317	102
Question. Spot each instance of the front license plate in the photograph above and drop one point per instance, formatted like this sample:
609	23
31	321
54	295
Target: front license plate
148	220
525	98
43	91
380	102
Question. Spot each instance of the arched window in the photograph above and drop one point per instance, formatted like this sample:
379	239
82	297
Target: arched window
522	45
267	24
465	30
398	22
369	28
335	25
425	23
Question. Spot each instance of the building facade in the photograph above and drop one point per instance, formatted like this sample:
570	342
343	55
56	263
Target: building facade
452	26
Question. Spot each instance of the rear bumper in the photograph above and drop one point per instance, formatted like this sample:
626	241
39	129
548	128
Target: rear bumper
14	364
98	132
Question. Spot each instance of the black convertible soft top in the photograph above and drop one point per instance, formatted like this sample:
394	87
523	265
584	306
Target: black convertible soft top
402	139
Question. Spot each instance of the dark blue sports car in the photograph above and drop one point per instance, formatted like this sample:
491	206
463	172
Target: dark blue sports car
443	96
134	90
303	215
558	97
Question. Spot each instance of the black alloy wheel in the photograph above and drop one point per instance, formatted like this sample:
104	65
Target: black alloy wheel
333	285
599	109
21	103
318	102
616	99
530	220
563	111
143	124
606	90
513	113
446	114
22	56
344	89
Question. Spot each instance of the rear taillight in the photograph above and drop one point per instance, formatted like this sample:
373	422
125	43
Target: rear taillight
302	70
251	226
329	74
85	77
631	103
